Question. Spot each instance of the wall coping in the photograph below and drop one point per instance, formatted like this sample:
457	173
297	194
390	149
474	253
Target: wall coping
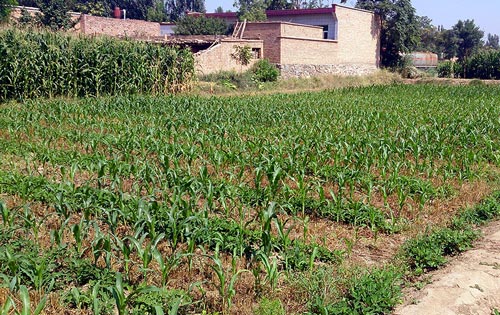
284	22
310	39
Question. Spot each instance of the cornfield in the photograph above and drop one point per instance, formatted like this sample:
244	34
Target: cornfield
47	64
190	205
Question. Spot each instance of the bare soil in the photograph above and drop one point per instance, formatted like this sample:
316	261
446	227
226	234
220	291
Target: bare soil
468	284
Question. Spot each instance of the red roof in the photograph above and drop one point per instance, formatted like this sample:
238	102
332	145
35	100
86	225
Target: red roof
329	10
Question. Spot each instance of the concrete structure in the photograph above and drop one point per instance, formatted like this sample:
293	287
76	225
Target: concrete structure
96	25
336	40
167	28
219	56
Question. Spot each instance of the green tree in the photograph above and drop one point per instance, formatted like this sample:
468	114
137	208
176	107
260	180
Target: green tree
493	41
135	9
469	39
200	25
251	10
5	9
93	7
399	33
156	13
54	14
278	4
178	8
429	35
448	44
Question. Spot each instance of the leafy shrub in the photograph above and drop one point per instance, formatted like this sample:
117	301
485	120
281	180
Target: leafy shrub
428	251
374	291
269	307
264	71
449	69
484	65
484	212
148	301
200	25
350	291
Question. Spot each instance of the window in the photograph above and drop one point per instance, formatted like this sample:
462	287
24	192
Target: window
256	53
325	31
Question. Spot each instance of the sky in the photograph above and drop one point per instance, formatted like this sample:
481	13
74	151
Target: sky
485	13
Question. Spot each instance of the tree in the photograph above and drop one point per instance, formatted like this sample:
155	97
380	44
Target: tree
200	25
93	7
251	10
278	5
399	33
429	35
219	10
54	14
493	42
177	8
156	13
469	39
448	44
5	9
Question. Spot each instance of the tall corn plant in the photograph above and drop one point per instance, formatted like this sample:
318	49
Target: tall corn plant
47	64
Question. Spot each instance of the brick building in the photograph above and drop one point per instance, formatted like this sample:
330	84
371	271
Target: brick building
338	40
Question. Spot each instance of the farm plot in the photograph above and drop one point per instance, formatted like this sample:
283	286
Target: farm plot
233	205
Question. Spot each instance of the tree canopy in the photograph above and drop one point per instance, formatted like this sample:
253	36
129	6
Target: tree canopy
200	25
399	33
469	38
5	9
493	41
55	14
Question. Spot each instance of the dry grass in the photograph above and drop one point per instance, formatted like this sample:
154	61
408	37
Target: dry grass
296	85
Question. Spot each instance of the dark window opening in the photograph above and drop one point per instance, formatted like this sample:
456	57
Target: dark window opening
256	53
325	31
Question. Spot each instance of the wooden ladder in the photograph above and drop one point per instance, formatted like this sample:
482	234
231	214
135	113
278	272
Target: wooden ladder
239	29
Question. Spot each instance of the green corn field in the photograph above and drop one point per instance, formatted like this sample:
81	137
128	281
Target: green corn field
290	204
47	64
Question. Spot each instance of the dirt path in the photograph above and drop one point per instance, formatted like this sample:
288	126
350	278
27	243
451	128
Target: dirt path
469	284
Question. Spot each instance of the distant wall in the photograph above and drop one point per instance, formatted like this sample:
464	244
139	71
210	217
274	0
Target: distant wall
218	58
96	25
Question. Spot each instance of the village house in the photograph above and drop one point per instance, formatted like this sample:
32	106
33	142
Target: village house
307	42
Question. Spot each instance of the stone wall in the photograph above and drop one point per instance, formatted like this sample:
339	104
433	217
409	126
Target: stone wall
218	58
96	25
306	71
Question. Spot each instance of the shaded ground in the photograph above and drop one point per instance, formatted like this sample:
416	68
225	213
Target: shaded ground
469	284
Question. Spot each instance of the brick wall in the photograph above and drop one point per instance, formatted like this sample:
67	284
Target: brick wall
308	51
305	31
91	25
315	19
358	36
218	58
269	32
